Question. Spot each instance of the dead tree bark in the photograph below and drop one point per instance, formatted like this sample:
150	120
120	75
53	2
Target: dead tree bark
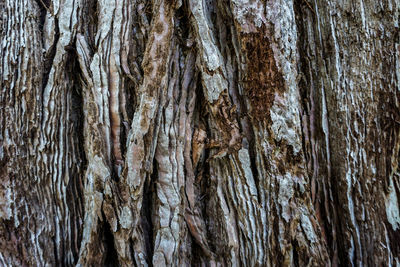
197	132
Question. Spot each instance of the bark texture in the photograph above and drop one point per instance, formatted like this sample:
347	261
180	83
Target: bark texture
199	133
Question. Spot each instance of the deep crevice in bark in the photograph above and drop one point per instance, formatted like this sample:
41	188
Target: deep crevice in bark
147	211
43	7
75	186
49	57
307	118
91	15
295	254
111	257
342	238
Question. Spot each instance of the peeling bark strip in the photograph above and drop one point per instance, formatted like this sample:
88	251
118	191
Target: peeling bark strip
178	133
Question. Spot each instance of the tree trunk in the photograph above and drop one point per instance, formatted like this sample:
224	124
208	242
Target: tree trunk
198	132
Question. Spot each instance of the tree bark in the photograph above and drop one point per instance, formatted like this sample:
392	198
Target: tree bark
197	132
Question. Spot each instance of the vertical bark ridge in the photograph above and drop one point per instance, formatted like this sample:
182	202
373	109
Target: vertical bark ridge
47	181
171	228
19	32
344	105
224	136
58	156
274	113
142	138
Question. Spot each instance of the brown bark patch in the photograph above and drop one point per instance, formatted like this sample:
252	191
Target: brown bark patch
159	28
262	78
230	138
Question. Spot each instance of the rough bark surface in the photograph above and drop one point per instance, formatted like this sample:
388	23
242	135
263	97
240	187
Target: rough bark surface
199	132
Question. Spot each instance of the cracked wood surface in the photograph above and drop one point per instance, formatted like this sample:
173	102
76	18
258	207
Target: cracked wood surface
199	133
